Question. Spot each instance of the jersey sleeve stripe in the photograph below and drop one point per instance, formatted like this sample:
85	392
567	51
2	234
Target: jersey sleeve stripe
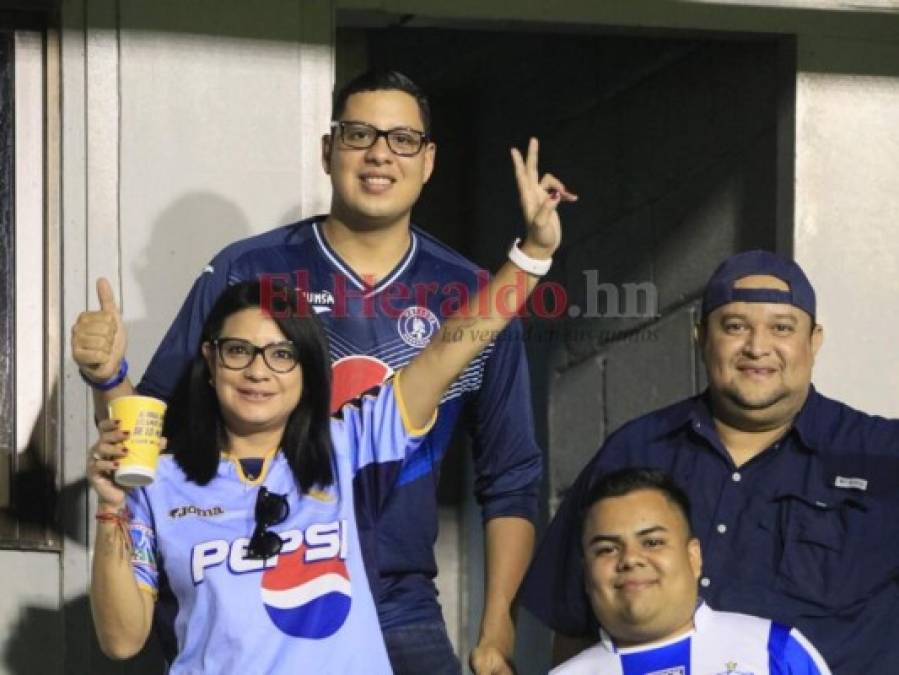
147	588
789	652
777	642
404	414
818	665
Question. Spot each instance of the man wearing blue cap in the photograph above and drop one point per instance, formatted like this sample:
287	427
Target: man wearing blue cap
795	495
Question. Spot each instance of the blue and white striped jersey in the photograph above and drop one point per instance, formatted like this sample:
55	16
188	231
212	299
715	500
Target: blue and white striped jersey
721	643
308	609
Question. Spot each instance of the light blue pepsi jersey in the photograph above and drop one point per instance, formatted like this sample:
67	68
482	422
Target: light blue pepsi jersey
372	332
722	643
308	609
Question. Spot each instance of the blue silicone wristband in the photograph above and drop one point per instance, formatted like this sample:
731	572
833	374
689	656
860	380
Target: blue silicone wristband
114	381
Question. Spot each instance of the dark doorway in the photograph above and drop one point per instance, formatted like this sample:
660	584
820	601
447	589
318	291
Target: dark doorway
676	145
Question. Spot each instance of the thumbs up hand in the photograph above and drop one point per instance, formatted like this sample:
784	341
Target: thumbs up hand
99	339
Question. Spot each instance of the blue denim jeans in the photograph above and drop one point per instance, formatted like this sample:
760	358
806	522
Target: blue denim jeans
421	648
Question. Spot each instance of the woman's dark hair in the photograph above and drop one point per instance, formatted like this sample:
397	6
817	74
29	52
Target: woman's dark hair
194	424
625	481
382	80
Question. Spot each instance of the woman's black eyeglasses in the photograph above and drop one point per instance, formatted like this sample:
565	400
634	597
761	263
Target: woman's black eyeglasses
237	354
271	509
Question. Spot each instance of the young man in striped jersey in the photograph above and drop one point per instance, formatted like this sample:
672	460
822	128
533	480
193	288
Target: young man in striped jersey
641	568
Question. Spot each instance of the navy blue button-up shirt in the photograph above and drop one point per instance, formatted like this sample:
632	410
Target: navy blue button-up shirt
806	533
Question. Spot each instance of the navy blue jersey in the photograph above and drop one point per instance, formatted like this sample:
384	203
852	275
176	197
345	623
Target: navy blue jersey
373	330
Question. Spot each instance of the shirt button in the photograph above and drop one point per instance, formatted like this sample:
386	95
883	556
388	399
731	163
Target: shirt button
736	477
705	582
722	528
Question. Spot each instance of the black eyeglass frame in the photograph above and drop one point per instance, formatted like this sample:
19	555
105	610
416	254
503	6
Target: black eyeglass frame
341	125
256	351
263	542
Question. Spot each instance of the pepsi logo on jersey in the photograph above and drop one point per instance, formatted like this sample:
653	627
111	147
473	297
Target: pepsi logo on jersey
306	589
320	541
307	599
353	375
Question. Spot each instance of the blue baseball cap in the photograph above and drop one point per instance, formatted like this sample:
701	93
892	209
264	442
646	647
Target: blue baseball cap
720	288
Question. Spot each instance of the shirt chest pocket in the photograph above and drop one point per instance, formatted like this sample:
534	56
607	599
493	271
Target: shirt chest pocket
821	561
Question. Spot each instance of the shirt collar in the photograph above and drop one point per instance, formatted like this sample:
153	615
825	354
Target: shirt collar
702	616
811	433
698	415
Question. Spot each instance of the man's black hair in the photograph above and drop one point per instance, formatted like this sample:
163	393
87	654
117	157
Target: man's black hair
625	481
377	79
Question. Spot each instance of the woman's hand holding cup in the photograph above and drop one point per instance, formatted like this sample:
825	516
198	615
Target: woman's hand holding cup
102	462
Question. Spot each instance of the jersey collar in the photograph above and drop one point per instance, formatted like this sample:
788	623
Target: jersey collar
699	416
336	261
701	616
228	463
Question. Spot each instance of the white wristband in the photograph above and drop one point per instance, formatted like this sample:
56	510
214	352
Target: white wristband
530	265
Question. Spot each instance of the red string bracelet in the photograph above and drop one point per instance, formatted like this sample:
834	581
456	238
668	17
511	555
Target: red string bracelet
121	519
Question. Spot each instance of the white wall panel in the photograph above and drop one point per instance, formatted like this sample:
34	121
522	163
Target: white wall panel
847	203
30	618
219	139
29	233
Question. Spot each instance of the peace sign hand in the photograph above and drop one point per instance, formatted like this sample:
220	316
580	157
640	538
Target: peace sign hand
539	199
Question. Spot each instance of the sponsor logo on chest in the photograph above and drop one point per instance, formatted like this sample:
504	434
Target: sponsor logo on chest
305	589
320	541
190	510
320	301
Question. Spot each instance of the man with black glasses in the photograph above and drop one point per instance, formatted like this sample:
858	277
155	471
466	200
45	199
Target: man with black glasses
381	286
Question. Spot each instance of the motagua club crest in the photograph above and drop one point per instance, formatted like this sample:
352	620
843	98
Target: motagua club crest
417	326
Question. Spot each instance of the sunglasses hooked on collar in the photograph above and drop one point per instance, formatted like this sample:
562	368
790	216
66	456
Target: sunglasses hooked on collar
271	509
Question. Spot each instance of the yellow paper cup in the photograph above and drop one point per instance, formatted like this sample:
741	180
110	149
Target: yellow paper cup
141	416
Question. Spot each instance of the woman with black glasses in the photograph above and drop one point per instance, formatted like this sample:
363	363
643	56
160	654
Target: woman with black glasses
252	534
